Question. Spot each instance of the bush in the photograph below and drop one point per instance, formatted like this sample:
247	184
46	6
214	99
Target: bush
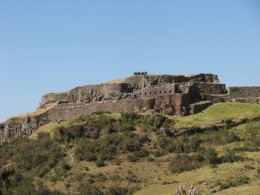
255	136
100	162
185	162
141	153
182	144
156	121
24	186
40	155
101	113
132	158
107	147
127	127
60	134
119	190
223	136
131	144
246	146
144	138
65	166
137	155
233	182
91	126
230	156
158	153
129	117
42	135
87	150
212	156
90	190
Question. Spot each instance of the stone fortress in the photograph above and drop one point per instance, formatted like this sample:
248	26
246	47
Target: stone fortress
166	94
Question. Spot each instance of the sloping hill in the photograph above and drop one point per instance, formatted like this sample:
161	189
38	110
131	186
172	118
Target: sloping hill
128	153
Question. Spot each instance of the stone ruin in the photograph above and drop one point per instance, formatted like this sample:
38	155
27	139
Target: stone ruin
166	94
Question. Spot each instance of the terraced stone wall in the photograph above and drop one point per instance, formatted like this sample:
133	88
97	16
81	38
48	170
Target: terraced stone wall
210	88
244	92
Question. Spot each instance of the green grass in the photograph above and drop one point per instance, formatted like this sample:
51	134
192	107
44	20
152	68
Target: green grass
218	113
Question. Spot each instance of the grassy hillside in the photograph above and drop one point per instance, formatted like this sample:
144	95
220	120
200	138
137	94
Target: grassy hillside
128	153
218	113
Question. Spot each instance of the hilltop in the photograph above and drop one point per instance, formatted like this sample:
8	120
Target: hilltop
178	95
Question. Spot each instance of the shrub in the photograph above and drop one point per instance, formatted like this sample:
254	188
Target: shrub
212	156
101	113
127	127
158	153
156	121
230	156
90	190
141	153
87	150
100	162
144	138
131	144
181	144
65	166
92	126
185	162
233	182
132	158
129	117
137	155
60	134
119	190
223	136
246	146
42	135
255	136
40	155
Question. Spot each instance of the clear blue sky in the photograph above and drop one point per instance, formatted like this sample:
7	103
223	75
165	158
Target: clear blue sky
55	45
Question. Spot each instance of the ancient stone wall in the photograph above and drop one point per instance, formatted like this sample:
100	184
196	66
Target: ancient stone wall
155	91
175	104
73	111
205	78
217	98
210	88
244	92
25	126
198	107
167	79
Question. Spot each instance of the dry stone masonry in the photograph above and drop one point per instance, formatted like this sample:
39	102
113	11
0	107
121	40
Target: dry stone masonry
167	94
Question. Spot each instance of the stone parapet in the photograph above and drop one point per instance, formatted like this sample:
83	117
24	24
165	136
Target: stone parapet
244	92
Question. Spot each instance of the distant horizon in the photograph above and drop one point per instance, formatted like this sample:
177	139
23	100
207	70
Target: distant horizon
53	46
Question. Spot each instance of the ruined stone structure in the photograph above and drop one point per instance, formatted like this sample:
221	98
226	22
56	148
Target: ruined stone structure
167	94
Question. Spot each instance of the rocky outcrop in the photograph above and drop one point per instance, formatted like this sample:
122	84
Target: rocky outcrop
167	94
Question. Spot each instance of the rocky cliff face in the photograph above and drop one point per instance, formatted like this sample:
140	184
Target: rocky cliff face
168	94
